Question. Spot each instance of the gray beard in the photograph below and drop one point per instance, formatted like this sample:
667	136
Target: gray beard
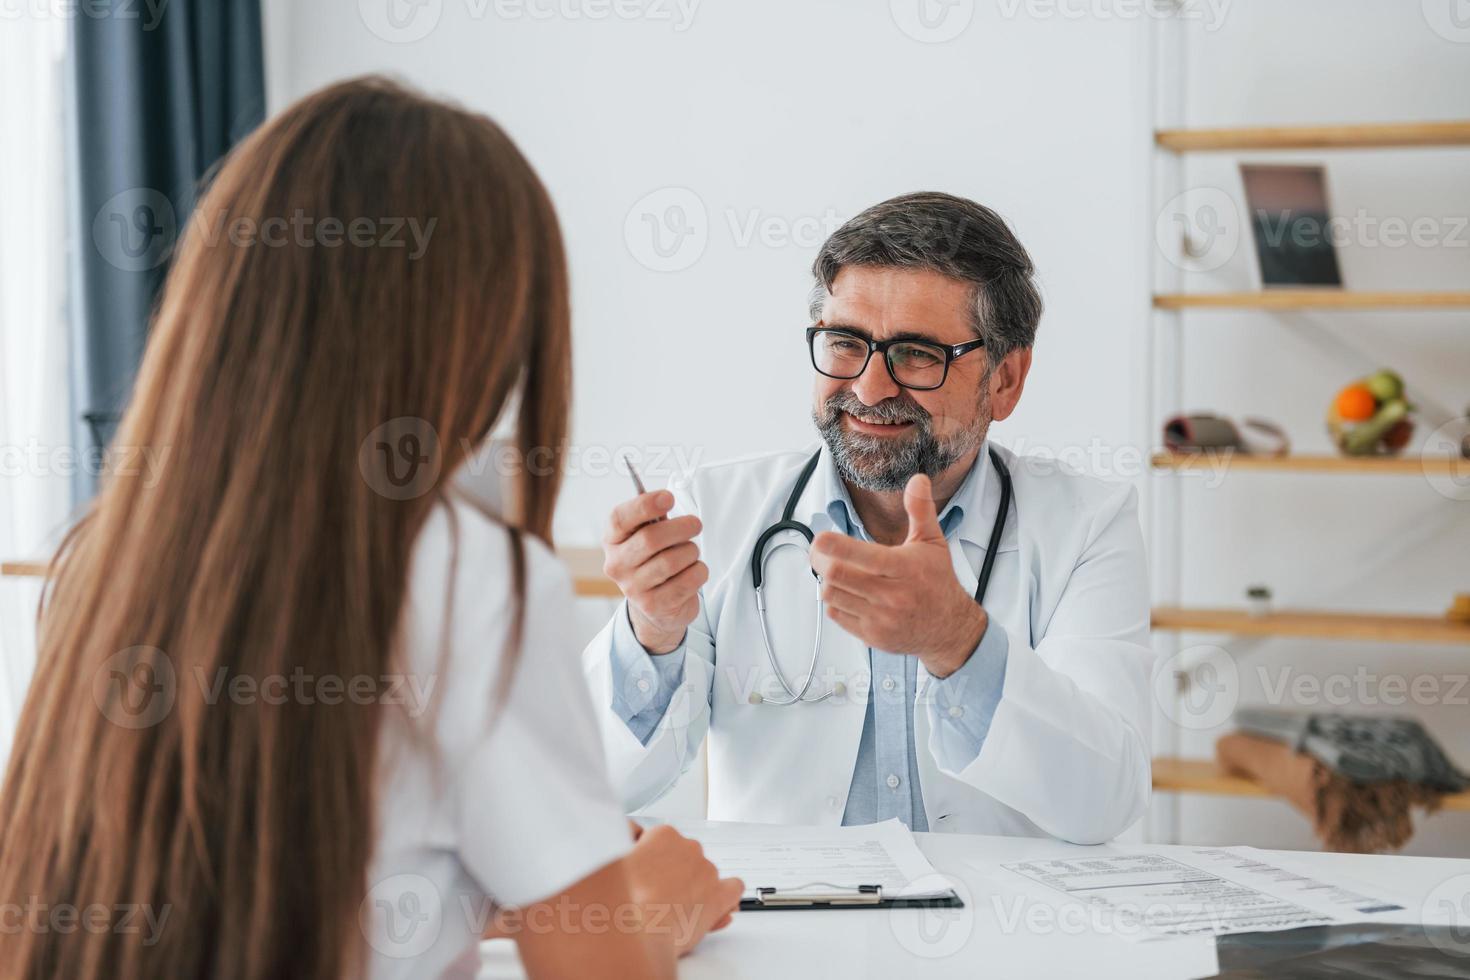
883	465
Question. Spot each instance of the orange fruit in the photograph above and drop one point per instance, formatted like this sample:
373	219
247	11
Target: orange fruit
1356	403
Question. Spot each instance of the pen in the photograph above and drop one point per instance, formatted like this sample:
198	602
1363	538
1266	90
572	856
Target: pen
638	482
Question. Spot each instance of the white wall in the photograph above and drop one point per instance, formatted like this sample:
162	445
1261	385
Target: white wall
797	115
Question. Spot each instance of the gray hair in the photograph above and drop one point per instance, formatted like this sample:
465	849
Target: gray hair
950	235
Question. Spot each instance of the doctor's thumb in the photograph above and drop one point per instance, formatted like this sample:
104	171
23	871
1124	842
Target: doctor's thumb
918	502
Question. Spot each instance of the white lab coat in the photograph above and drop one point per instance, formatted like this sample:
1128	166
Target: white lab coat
1067	751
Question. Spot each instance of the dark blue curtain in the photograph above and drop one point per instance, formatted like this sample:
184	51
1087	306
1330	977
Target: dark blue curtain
162	90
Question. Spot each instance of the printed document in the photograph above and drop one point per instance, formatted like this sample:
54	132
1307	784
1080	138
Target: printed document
795	859
1152	892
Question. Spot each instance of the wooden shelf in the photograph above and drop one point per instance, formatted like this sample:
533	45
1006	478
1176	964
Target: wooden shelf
1201	776
588	581
585	565
1315	299
1451	466
1369	136
1365	627
1206	776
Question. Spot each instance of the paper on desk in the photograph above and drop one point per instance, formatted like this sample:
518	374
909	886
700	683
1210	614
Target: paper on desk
1143	892
789	858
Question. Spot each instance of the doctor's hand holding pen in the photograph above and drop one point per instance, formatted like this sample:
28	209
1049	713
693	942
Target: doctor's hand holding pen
655	563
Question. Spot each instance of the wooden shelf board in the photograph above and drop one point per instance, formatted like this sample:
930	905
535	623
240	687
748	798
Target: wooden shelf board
1291	298
1450	466
1366	627
585	565
588	581
1361	136
1206	776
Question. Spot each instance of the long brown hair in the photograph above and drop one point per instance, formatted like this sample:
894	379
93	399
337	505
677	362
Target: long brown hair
266	545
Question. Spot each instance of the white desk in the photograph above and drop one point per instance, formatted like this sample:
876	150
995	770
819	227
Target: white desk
985	939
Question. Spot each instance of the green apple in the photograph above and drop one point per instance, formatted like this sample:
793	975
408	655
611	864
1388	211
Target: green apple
1385	385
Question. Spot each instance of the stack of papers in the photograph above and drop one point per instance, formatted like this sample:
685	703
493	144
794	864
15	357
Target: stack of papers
794	859
1143	892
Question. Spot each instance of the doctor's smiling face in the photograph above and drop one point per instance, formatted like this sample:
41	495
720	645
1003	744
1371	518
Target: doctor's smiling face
934	275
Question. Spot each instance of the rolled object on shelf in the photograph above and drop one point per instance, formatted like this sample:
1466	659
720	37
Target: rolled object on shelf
1363	818
1204	431
1360	748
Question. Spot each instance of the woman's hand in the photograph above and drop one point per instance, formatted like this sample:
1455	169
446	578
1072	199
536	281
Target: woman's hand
681	893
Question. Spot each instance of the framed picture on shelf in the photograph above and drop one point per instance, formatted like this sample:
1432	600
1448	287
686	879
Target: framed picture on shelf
1292	225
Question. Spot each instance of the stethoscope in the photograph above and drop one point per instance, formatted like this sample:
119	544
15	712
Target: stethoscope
789	523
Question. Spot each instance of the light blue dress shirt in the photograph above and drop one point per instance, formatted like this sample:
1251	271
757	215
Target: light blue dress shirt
885	778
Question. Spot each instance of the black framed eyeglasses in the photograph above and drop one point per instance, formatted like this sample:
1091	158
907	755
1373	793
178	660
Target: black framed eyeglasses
918	364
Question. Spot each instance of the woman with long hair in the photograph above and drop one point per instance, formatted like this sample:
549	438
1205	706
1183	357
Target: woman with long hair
300	710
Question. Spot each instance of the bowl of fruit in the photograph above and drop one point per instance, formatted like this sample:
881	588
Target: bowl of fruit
1371	416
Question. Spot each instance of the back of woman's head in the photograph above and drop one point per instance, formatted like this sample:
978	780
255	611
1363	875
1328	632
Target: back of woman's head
368	281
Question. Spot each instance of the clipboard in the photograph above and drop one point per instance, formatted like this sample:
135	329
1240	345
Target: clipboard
824	896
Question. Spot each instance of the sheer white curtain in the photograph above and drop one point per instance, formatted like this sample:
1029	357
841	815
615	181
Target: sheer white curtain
36	460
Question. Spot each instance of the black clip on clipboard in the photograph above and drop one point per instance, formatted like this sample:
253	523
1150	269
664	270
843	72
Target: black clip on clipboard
834	897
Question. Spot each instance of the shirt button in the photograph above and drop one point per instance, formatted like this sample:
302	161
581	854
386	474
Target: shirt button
892	781
956	712
643	684
888	683
832	802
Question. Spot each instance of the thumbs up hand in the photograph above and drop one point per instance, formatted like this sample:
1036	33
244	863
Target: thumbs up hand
918	501
902	598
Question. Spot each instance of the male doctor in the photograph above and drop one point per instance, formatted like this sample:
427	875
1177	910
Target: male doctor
1023	711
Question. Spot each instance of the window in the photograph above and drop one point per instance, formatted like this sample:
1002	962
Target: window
35	433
